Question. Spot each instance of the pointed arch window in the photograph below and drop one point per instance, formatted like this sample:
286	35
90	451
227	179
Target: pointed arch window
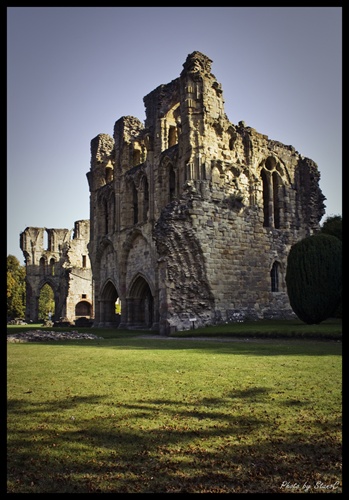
172	136
274	277
42	265
135	204
266	209
136	160
106	216
145	199
276	201
272	194
172	183
52	266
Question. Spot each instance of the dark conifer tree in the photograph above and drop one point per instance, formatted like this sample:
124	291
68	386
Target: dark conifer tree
314	277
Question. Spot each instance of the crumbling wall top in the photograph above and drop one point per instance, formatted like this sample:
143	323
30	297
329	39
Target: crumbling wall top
197	62
126	128
102	147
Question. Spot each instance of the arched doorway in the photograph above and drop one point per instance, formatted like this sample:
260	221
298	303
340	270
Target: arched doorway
46	303
140	305
109	306
83	309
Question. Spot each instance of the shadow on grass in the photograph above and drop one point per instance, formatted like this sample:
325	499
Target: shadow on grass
131	449
265	347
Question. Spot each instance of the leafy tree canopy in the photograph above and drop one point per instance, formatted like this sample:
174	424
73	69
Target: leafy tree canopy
333	225
16	288
46	302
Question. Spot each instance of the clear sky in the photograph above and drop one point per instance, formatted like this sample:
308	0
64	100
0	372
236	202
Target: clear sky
72	72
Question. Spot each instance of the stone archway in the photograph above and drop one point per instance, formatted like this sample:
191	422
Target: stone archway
140	305
107	302
83	309
46	302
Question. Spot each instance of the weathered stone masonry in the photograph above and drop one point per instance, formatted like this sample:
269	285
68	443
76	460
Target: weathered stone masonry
193	216
64	265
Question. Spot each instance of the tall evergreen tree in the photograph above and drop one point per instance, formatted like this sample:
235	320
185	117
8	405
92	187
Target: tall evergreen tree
333	225
314	277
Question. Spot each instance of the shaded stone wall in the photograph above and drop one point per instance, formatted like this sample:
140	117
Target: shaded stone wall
193	216
63	264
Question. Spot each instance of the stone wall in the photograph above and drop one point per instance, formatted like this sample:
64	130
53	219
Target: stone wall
193	216
64	265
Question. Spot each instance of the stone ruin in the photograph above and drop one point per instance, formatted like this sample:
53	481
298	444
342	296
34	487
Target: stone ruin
192	216
192	219
65	266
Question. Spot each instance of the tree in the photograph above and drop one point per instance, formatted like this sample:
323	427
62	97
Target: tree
333	225
314	277
46	302
16	288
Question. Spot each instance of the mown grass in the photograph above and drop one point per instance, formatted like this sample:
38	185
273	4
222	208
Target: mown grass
329	329
141	415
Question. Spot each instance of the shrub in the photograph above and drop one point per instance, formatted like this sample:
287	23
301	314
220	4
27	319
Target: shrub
314	277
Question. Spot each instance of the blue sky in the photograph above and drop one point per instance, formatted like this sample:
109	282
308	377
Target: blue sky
72	72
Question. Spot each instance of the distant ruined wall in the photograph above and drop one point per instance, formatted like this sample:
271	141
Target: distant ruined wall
64	265
193	217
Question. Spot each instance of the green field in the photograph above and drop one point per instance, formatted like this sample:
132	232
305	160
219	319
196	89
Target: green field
168	415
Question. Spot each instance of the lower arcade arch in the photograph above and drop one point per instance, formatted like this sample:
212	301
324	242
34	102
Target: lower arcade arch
140	305
109	306
46	302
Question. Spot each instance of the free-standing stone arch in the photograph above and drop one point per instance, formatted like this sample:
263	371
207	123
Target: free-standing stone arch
49	314
64	265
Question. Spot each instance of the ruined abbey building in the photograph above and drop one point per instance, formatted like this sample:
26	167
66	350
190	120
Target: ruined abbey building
62	263
192	217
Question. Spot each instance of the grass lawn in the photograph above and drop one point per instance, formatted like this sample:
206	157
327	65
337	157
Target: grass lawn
168	415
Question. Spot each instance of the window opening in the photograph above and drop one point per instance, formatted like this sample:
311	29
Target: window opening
52	266
145	199
274	275
276	200
265	199
172	183
172	136
135	205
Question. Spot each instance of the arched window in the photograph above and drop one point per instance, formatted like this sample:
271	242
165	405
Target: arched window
172	136
274	277
135	204
266	221
106	217
145	199
172	183
136	160
272	193
109	174
52	266
276	179
42	265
